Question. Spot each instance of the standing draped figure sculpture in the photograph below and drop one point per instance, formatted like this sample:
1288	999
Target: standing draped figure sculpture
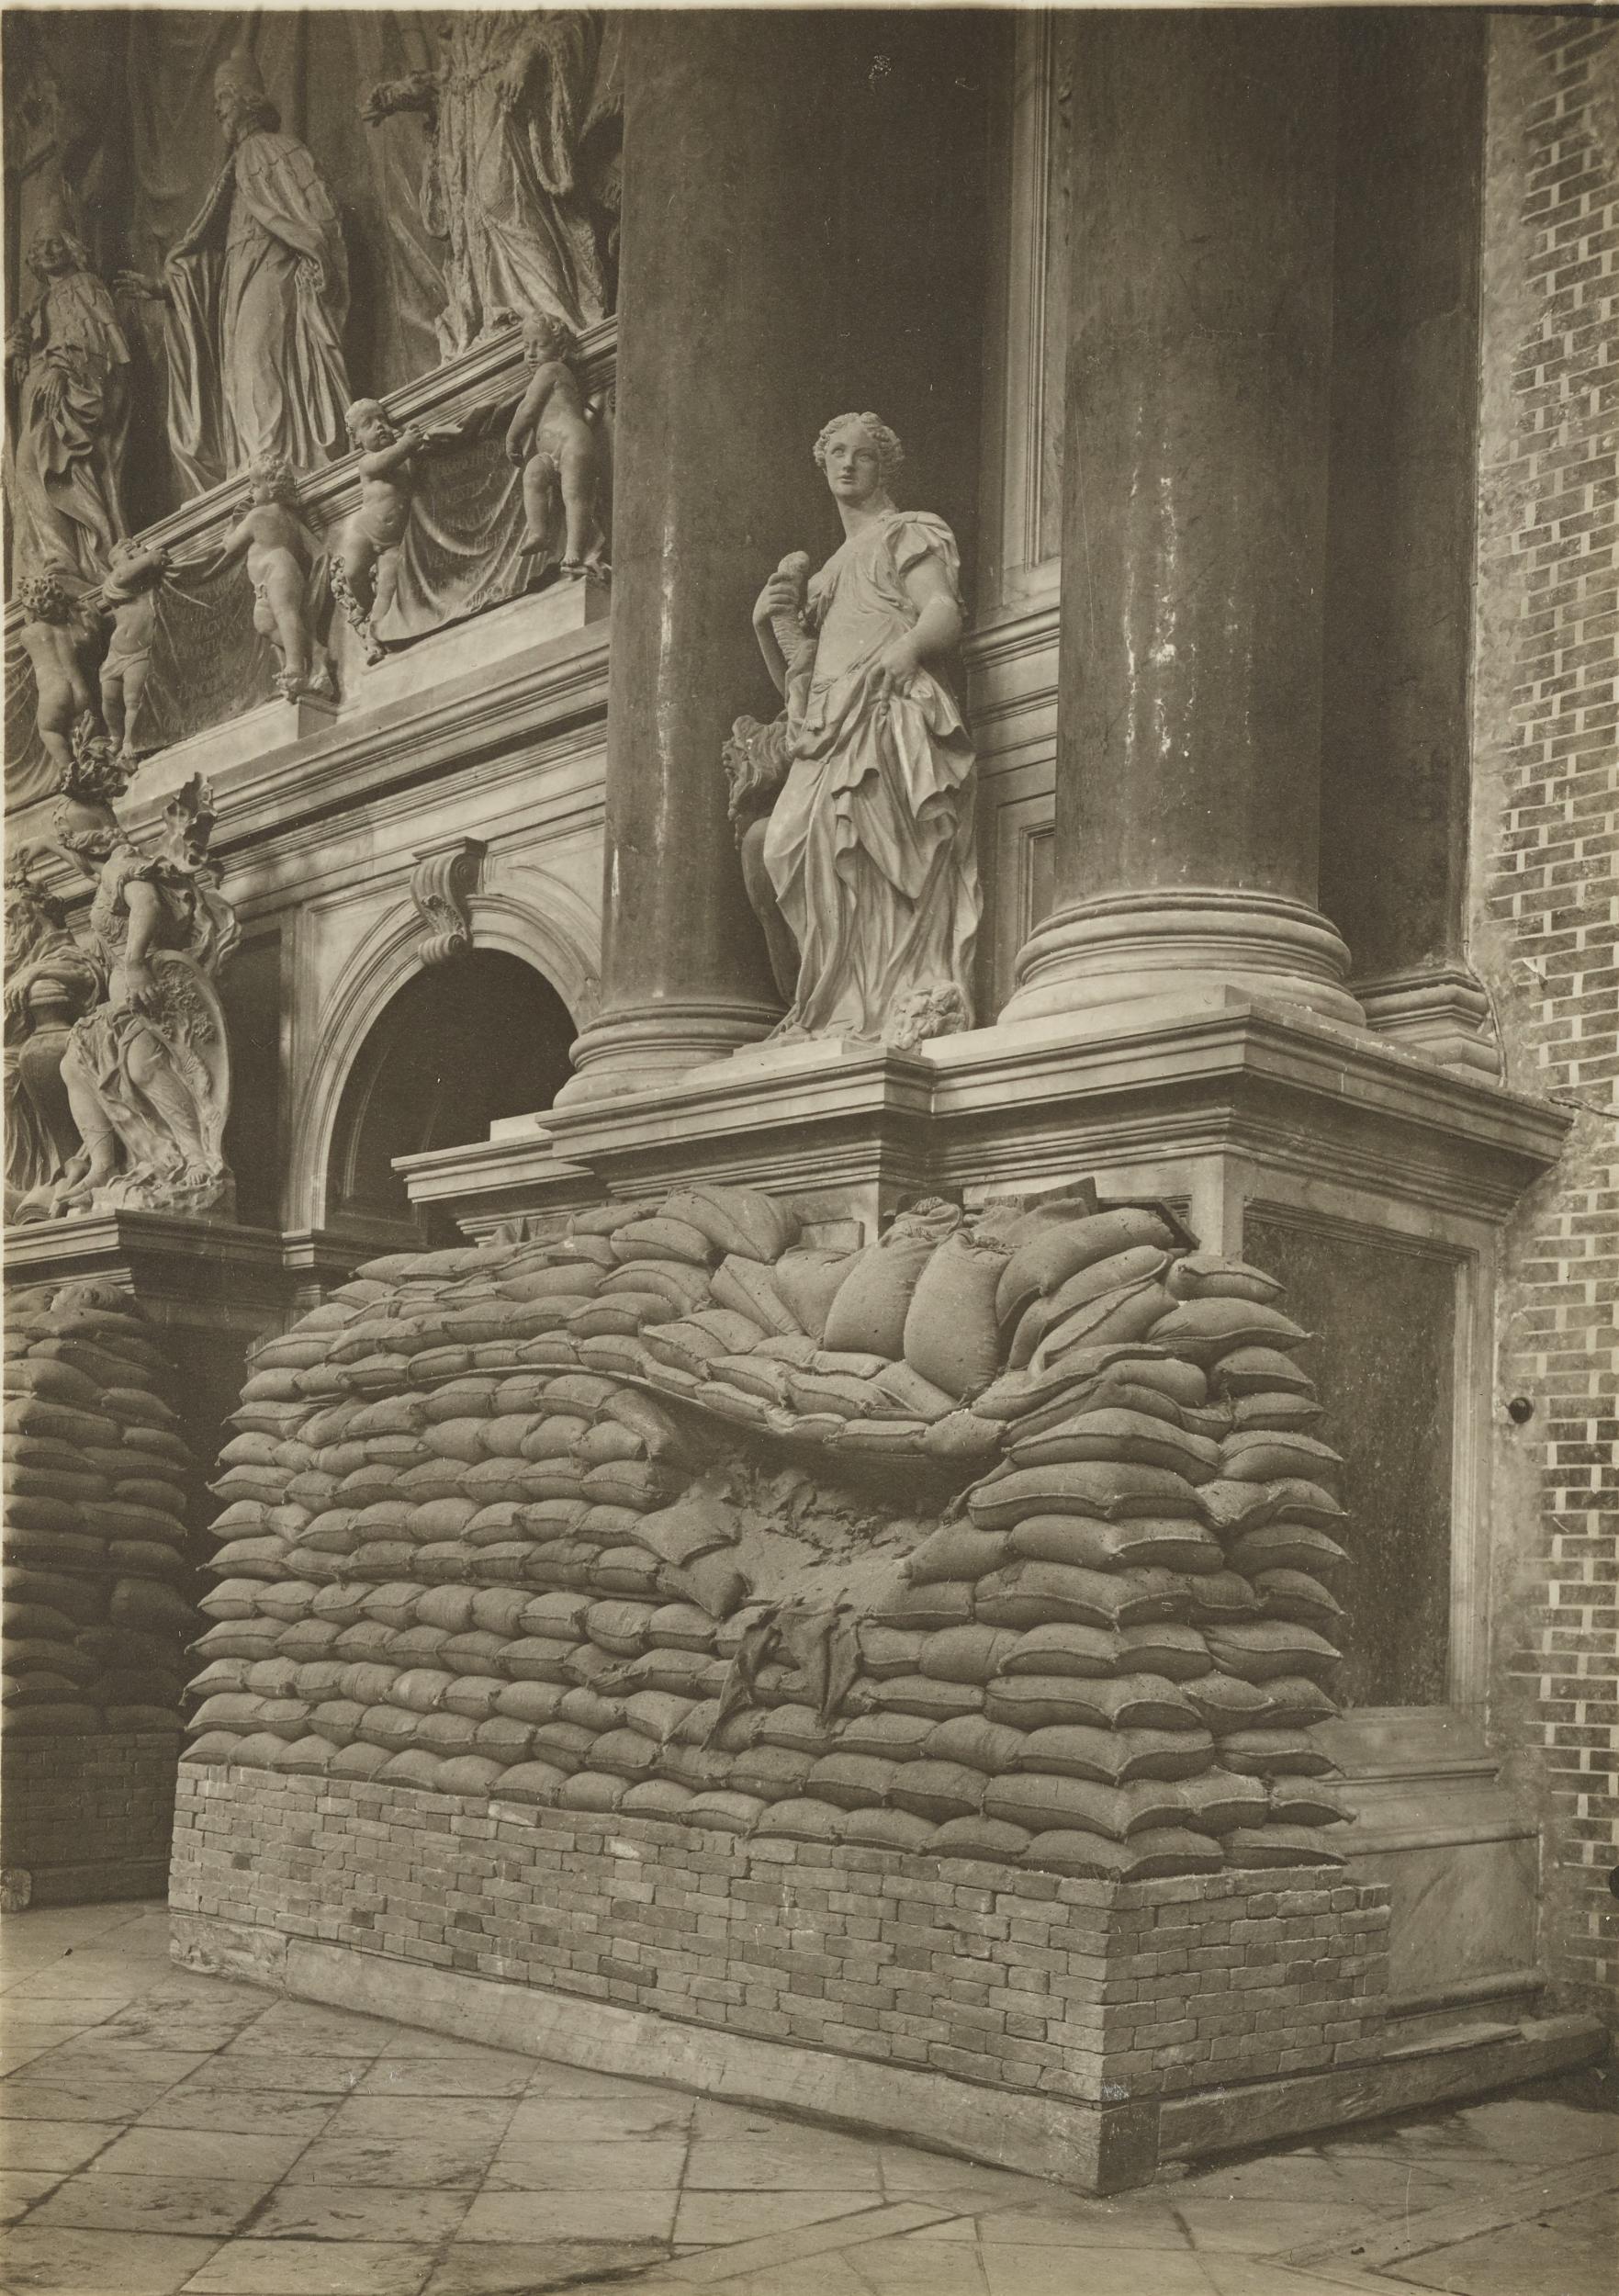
257	290
870	850
50	982
69	363
520	179
147	1073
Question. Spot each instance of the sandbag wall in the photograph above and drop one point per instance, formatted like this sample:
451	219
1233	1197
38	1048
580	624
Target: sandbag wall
492	1526
99	1485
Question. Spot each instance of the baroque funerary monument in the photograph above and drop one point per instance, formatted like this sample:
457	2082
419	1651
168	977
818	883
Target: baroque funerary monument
810	1041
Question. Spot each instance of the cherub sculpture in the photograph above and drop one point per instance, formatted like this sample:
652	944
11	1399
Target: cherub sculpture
365	569
130	595
147	1073
49	983
55	640
555	439
282	555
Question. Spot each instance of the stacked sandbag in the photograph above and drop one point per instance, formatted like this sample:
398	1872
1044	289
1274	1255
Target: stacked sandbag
98	1484
477	1535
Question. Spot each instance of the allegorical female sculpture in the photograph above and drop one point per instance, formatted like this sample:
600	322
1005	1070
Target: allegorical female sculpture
257	292
69	360
50	982
870	848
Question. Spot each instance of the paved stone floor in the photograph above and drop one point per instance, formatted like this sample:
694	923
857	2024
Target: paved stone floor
162	2131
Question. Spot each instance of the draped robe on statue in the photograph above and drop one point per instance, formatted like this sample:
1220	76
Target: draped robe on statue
259	291
501	183
871	846
73	421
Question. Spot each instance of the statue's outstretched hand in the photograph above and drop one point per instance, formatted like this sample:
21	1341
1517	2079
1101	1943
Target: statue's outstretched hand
141	284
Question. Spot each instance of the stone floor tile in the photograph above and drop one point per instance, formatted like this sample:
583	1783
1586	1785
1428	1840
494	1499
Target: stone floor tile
60	2144
445	2161
241	2069
1522	2260
44	2263
22	2009
464	2119
20	2187
272	2112
22	2099
413	2040
93	2058
1060	2219
1232	2275
499	2075
832	2274
918	2264
1534	2131
476	2268
305	2025
906	2169
640	2165
706	2219
1262	2228
713	2116
30	2044
116	2203
650	2112
387	2213
551	2079
148	2152
313	2267
789	2160
552	2216
1014	2272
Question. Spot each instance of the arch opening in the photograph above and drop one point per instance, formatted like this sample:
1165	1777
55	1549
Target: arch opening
457	1048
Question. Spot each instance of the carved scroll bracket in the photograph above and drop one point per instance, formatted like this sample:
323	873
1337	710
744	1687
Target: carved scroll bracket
442	885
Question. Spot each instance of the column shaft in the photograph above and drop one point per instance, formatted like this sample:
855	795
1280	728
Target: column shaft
1188	769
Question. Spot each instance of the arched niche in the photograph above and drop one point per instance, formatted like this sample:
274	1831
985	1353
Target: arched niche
455	1048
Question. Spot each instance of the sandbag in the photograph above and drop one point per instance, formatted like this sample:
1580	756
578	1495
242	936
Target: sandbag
1042	1801
1136	1438
870	1308
807	1282
1040	1593
1037	1702
956	1550
990	1838
1081	1541
1112	1493
956	1654
1052	1252
951	1336
939	1790
1207	1329
1107	1756
1154	1851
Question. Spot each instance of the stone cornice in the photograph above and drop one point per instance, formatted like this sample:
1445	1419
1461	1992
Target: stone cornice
1166	1083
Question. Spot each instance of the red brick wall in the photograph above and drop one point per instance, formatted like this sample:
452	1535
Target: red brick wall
1546	892
1081	1989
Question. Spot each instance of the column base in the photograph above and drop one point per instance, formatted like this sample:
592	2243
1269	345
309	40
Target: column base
1120	946
637	1050
1442	1012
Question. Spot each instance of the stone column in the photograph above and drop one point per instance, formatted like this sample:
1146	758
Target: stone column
1194	516
716	412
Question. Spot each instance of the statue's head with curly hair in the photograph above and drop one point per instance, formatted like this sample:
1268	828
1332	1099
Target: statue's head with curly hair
271	478
547	338
43	599
849	440
368	424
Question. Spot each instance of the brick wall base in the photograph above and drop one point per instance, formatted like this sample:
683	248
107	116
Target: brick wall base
898	1983
88	1818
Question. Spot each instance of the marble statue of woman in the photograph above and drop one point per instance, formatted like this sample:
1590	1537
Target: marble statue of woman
50	982
870	848
257	292
69	360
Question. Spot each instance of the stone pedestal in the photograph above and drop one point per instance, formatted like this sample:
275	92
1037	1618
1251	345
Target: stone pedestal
1195	520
